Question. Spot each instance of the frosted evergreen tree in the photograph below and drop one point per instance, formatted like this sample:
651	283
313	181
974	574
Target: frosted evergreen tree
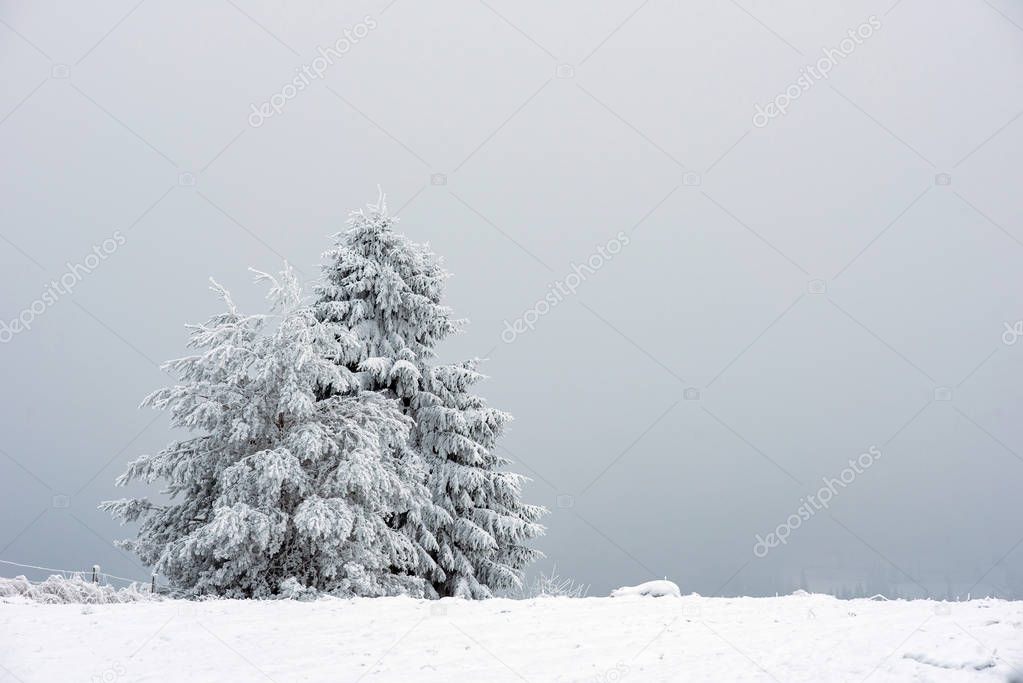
387	290
296	478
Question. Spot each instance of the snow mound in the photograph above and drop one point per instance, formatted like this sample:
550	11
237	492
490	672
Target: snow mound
653	589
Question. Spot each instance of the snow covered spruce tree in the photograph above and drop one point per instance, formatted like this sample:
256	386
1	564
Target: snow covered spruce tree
296	477
387	290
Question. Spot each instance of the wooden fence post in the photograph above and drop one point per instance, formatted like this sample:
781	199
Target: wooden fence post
153	589
95	573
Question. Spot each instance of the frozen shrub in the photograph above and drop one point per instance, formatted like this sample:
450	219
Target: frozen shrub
552	585
60	590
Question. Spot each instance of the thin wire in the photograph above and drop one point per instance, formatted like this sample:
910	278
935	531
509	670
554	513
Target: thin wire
45	569
76	571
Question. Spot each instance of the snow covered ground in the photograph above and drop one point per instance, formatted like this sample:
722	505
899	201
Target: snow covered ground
794	638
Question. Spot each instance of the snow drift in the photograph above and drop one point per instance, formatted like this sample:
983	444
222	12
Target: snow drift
795	638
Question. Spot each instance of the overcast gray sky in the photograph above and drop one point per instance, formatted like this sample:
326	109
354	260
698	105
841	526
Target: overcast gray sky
823	280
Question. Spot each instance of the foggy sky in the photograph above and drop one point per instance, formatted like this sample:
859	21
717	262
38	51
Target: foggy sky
815	282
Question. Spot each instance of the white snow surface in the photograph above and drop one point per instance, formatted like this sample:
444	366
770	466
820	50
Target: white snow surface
794	638
654	589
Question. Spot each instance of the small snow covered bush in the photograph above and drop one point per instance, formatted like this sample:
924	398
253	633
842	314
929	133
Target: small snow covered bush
552	585
60	590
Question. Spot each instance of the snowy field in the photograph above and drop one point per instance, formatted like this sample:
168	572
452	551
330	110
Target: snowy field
795	638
